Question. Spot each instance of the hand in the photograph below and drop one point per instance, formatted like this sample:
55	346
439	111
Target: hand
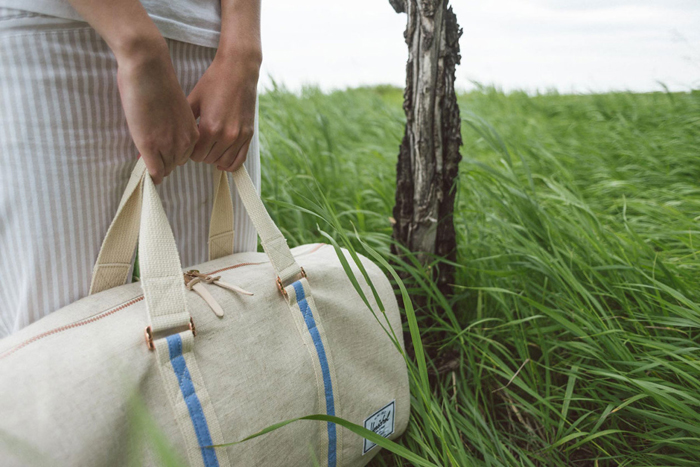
224	99
159	118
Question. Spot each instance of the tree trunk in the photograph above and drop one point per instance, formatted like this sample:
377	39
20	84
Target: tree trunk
429	155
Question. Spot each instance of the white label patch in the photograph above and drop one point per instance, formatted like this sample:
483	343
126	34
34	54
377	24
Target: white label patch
381	422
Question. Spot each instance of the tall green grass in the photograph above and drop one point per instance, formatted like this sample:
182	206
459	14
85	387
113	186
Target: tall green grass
573	336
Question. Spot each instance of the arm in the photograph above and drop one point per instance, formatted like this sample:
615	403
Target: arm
224	98
159	118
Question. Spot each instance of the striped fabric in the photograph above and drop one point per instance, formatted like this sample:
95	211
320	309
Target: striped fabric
189	394
65	158
325	368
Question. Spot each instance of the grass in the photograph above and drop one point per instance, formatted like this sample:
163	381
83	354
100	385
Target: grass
573	336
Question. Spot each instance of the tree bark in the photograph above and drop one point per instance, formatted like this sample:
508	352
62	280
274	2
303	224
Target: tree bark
429	156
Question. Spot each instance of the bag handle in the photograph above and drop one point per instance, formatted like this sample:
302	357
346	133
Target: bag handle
159	263
272	240
114	259
221	232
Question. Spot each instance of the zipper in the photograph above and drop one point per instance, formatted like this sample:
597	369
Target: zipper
71	326
121	307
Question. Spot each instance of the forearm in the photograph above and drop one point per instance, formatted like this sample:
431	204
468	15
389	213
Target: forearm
124	25
240	31
159	117
224	98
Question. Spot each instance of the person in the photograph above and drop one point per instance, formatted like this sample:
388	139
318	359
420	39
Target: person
85	87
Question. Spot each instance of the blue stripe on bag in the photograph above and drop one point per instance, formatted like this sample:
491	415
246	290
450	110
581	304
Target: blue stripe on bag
316	336
201	429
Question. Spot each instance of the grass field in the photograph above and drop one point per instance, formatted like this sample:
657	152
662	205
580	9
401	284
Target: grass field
573	337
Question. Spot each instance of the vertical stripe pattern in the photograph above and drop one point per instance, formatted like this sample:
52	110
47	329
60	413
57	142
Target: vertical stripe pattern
65	157
325	368
199	421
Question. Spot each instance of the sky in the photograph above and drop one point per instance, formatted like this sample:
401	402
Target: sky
533	45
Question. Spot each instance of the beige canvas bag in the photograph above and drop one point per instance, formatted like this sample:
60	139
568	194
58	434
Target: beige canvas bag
209	363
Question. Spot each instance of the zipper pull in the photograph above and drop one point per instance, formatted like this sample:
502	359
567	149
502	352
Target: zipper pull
193	282
216	281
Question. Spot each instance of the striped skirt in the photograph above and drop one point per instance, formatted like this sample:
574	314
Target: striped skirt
65	157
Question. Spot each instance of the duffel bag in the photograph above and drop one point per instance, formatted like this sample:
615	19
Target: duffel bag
210	356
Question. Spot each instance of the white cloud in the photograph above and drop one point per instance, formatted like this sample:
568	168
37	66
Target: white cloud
595	45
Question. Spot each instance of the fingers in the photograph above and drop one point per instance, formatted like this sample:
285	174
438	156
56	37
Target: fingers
221	145
162	155
238	159
154	164
169	163
228	150
230	156
195	102
203	147
185	156
186	145
222	138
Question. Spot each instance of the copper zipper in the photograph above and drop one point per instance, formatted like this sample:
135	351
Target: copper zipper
70	326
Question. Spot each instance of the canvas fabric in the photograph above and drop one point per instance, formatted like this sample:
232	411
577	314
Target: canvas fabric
76	386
